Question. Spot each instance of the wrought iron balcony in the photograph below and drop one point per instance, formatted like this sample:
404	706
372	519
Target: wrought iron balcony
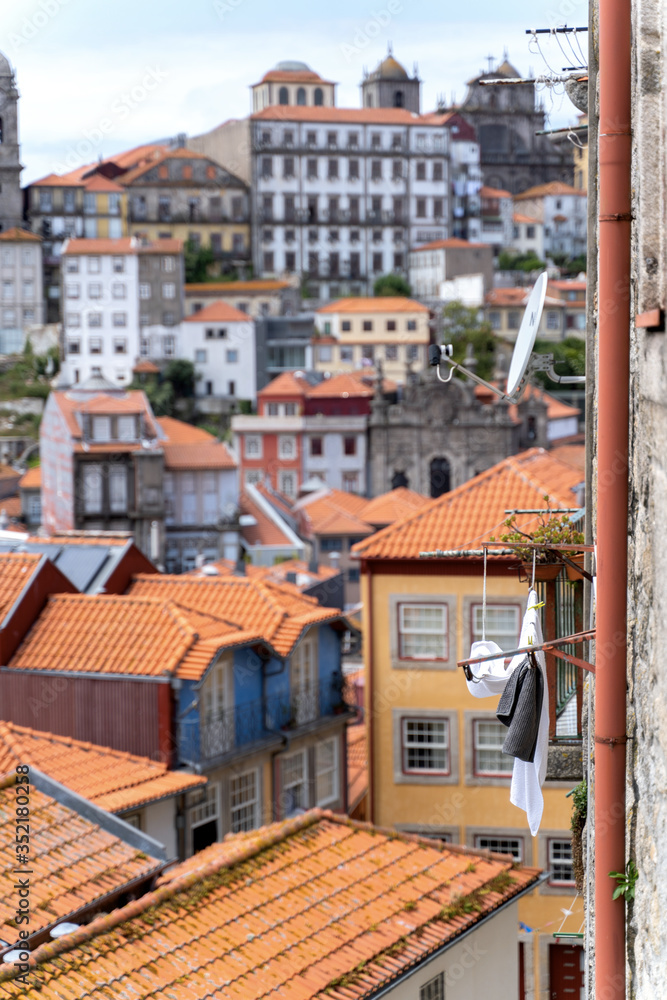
208	738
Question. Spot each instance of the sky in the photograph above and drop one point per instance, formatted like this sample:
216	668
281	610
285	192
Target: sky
97	77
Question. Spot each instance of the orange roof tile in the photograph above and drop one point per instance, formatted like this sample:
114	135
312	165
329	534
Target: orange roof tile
98	182
452	243
123	245
349	384
476	510
571	454
518	217
389	507
181	153
21	235
293	76
146	367
74	862
189	447
7	472
12	506
377	304
180	432
16	568
71	402
276	613
32	479
489	192
236	287
285	384
219	312
265	531
113	780
567	285
326	517
552	188
310	907
166	245
357	764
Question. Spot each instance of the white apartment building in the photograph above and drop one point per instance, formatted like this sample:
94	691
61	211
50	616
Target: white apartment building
562	210
466	177
528	235
220	340
340	195
123	299
22	303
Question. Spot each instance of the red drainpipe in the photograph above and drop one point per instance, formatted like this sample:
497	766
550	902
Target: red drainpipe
368	687
612	503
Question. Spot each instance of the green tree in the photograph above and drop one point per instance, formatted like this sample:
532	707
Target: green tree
392	284
198	259
182	376
519	261
462	325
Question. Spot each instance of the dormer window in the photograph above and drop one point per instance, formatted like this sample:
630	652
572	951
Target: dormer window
101	429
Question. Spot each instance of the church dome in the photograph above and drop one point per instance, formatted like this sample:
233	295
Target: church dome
390	69
291	66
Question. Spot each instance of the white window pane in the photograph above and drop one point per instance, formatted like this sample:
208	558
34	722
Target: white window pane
118	489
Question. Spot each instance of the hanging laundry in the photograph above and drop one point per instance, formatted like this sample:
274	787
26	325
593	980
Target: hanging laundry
491	678
519	709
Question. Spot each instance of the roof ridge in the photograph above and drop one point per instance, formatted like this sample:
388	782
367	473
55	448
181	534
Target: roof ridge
45	736
513	462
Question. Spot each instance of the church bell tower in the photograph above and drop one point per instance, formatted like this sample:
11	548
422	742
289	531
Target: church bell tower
11	203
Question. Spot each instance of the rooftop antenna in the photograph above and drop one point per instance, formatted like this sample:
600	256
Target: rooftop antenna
490	60
523	362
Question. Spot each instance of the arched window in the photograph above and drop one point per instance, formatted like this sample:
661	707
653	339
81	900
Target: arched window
440	477
301	95
399	479
369	100
319	96
283	96
398	99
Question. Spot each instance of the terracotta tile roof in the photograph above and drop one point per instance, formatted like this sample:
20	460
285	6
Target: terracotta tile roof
113	780
476	510
146	367
292	76
552	188
21	235
218	312
507	296
16	568
181	153
7	472
161	246
135	401
351	503
265	531
313	907
452	243
180	432
275	498
349	384
189	447
571	454
391	506
361	116
518	217
306	577
124	245
489	192
556	408
327	518
12	506
285	384
565	285
104	634
32	479
277	613
98	182
377	304
74	862
236	287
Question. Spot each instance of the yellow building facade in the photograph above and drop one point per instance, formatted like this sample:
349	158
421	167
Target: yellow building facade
363	332
435	761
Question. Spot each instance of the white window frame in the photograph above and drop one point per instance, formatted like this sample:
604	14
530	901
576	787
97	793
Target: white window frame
253	476
409	741
286	476
487	747
300	782
553	845
93	489
406	630
322	772
501	844
103	422
239	807
207	810
304	674
287	447
506	638
168	290
118	489
434	989
257	449
145	290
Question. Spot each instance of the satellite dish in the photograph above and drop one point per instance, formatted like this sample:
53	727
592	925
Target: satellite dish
525	340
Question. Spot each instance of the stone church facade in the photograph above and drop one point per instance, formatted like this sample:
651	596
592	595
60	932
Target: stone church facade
11	202
506	118
440	436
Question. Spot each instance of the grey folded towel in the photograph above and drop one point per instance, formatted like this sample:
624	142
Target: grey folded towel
520	707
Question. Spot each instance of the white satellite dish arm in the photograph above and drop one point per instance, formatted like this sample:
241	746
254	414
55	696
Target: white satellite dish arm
455	366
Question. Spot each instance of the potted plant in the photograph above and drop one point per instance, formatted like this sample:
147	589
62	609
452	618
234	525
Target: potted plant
552	529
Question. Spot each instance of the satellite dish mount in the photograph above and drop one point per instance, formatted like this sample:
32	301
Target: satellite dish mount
523	363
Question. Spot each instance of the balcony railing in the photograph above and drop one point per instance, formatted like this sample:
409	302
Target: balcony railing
207	738
163	217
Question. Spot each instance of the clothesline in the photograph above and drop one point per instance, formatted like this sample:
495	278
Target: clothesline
549	646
